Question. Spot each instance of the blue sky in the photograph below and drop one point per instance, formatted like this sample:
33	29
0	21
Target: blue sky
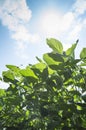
25	25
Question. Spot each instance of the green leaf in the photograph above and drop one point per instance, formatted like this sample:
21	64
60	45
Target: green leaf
48	59
83	53
70	51
55	45
8	75
55	61
45	74
12	67
40	66
27	114
59	82
28	73
2	92
56	57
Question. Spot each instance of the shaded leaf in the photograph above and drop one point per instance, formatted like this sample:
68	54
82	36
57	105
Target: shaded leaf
45	74
57	57
49	60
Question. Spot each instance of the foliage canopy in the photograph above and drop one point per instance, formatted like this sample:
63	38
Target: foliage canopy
49	95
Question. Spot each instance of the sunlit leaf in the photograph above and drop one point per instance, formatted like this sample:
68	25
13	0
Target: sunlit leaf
83	53
2	92
41	66
49	60
28	73
70	51
8	75
55	45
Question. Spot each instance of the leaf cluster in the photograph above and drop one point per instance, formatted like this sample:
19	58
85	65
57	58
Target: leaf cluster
49	95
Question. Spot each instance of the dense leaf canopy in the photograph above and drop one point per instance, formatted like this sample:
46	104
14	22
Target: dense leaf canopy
49	95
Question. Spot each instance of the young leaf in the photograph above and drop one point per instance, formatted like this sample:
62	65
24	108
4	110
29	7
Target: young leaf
83	53
55	45
70	51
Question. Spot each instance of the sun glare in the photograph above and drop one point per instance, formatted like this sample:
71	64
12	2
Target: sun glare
50	22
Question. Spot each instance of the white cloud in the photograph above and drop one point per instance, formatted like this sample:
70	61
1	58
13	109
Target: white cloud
21	34
67	21
79	7
4	85
15	14
68	25
52	23
74	34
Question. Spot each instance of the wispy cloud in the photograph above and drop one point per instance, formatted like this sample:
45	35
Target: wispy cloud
68	25
15	14
78	10
79	7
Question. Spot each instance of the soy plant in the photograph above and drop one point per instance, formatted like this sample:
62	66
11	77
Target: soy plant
48	95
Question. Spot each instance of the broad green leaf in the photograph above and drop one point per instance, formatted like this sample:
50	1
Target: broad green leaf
28	73
8	75
14	69
55	61
56	57
2	92
83	53
39	66
50	71
55	45
70	51
49	60
45	74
